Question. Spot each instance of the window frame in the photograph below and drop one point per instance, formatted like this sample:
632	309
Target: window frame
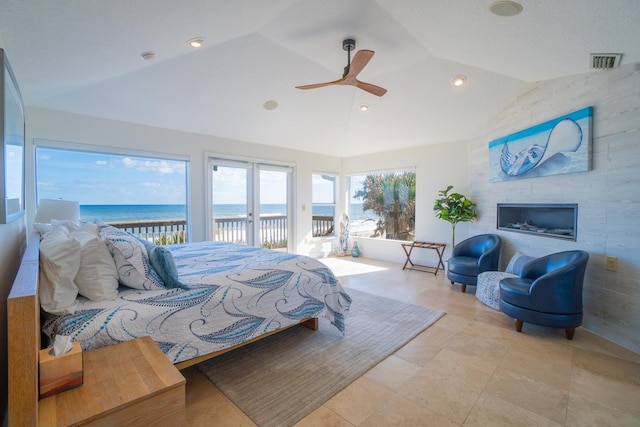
115	151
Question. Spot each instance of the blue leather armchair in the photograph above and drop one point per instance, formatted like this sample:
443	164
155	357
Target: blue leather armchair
548	292
473	256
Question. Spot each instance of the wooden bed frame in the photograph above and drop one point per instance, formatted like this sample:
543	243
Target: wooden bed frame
24	340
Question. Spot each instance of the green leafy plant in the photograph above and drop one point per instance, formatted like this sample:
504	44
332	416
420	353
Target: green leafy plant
454	208
175	238
274	245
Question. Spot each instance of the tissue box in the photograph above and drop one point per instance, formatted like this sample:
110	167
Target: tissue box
60	373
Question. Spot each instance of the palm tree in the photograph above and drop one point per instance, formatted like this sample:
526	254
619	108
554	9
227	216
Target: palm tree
392	197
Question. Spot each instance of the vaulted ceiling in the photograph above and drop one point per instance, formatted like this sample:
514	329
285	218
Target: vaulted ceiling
85	57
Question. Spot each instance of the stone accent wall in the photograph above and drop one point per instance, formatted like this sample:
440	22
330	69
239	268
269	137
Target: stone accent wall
608	196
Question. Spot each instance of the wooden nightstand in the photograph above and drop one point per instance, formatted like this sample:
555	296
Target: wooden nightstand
131	383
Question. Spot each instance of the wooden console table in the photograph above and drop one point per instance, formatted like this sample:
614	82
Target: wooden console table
438	247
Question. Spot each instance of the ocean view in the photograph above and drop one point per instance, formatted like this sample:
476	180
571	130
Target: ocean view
124	213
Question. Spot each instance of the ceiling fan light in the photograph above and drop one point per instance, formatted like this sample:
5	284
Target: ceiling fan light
458	80
196	42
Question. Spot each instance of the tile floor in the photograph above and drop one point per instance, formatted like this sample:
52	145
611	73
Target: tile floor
470	368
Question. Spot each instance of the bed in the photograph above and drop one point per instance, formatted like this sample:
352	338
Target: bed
231	294
222	296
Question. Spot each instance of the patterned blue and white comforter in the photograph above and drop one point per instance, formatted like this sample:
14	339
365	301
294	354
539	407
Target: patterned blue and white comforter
234	293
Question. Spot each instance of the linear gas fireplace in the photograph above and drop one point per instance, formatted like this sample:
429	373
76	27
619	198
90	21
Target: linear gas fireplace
549	220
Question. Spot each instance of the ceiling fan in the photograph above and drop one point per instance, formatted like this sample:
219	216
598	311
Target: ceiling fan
351	71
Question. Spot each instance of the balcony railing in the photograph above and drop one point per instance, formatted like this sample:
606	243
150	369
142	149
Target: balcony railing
273	229
322	225
161	232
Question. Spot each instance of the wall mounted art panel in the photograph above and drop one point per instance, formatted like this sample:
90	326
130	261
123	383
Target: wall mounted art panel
561	145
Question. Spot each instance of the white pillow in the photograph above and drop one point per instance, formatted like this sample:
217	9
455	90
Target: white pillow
131	259
97	278
42	228
59	264
69	225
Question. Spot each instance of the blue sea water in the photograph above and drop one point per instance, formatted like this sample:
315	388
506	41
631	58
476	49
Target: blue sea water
123	213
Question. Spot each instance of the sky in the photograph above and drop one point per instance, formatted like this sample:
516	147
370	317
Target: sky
109	179
106	179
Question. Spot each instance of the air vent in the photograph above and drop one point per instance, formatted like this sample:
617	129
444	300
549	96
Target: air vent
603	61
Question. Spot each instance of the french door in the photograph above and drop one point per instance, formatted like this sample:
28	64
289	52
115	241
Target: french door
251	203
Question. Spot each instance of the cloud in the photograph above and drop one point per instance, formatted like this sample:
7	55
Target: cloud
156	166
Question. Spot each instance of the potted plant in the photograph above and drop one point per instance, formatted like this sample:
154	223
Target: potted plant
454	208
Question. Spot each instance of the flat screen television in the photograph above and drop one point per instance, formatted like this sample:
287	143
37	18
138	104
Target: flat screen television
12	131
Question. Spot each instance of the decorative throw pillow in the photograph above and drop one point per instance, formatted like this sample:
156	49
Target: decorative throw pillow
97	278
131	259
59	264
517	262
163	263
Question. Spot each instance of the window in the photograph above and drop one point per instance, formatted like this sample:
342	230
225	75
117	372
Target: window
323	198
382	205
144	195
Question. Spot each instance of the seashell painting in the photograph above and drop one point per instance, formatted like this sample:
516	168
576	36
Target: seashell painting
558	146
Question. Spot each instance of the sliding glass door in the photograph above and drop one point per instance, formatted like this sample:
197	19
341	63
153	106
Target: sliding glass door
251	203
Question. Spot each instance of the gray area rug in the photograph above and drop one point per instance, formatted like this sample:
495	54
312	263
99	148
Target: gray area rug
280	379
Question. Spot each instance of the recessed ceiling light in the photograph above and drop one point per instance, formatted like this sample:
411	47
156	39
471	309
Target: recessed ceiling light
505	8
195	42
147	55
364	107
270	105
458	80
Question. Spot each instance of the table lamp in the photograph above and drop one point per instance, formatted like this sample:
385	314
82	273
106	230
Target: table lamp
49	209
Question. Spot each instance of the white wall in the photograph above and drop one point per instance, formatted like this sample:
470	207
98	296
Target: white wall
608	196
436	166
74	128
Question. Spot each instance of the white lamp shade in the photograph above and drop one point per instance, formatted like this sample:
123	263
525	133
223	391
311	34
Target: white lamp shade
49	209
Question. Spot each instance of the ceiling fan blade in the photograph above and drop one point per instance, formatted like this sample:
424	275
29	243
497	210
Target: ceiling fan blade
313	86
368	87
360	60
